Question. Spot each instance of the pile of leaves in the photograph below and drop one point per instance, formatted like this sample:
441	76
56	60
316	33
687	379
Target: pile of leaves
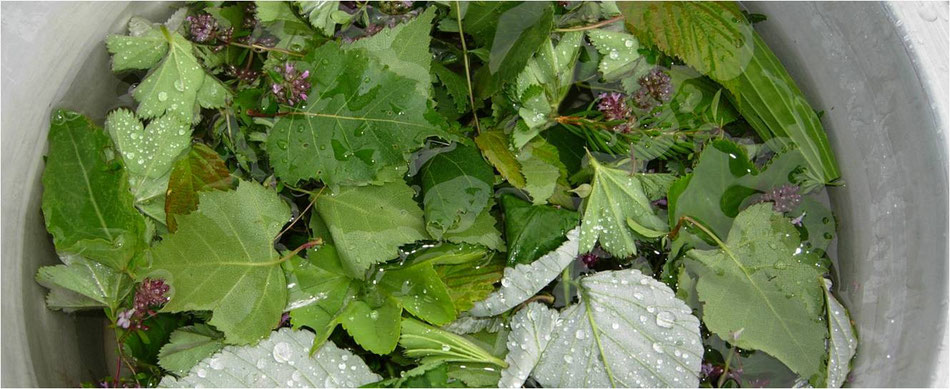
401	194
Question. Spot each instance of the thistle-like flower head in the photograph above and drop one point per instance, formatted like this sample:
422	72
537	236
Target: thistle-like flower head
203	28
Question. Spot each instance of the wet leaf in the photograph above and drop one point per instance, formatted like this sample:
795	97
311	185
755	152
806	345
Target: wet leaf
843	342
532	230
81	284
494	146
531	330
456	186
188	346
200	170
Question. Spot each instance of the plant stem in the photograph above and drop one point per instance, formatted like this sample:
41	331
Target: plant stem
725	369
300	215
592	26
468	76
260	48
566	282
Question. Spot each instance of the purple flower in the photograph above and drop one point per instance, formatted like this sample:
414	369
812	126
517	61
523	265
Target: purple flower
203	27
151	293
250	15
246	75
655	87
294	87
224	38
706	369
613	105
124	319
785	198
285	320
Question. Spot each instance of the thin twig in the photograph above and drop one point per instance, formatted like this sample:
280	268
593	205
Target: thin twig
592	26
260	48
468	77
300	215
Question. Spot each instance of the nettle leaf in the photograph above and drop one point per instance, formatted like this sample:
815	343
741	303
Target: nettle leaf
533	230
189	345
544	82
523	281
360	123
531	330
456	186
675	28
723	179
495	148
619	55
222	259
82	284
542	168
173	86
715	39
843	342
148	152
404	49
455	85
763	265
319	13
482	231
615	197
281	360
200	170
86	199
369	223
628	330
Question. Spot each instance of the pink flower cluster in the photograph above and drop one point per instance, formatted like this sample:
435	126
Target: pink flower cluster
150	294
294	87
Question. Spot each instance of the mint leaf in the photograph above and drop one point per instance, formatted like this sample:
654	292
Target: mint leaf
619	55
763	265
495	148
82	284
628	330
187	346
616	196
369	223
404	49
222	259
523	281
455	85
456	188
468	272
544	82
200	170
361	122
148	152
420	291
520	31
533	230
86	200
723	179
283	359
543	171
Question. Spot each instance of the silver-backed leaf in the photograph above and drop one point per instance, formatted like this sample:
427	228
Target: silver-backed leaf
842	343
523	281
530	334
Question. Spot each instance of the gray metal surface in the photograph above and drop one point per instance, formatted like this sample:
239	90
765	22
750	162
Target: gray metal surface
882	87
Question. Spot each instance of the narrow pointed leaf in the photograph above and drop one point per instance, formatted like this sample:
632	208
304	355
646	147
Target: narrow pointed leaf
843	342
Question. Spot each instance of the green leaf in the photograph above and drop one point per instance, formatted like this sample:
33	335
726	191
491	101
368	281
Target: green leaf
425	376
320	291
494	146
482	231
404	49
360	124
523	281
455	85
468	272
82	284
520	31
200	170
137	52
531	330
145	345
86	200
433	345
763	265
677	28
656	185
369	223
619	55
419	290
173	86
189	345
456	187
542	168
843	342
628	330
318	14
615	197
222	259
374	327
544	82
716	40
148	152
644	231
533	230
723	178
283	359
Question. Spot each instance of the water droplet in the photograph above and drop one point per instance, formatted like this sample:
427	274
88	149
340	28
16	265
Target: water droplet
202	373
657	347
446	347
628	43
179	85
215	363
282	352
181	132
665	319
568	358
162	96
579	334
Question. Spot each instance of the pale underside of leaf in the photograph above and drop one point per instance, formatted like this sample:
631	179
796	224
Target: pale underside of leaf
628	330
842	344
281	360
530	334
187	346
523	281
